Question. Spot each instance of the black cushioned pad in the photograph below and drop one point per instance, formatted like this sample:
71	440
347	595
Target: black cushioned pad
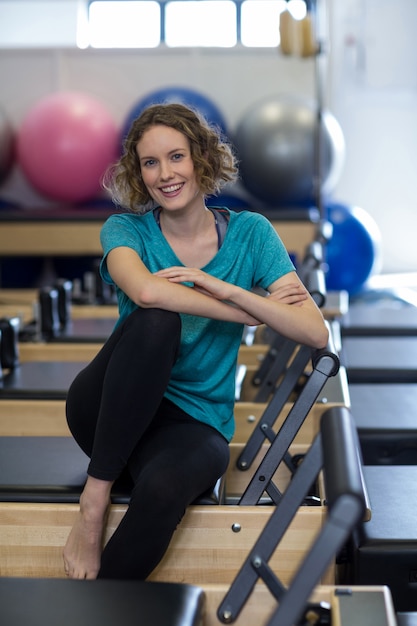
366	320
38	380
380	359
386	546
59	602
384	406
54	469
85	330
391	492
386	418
407	619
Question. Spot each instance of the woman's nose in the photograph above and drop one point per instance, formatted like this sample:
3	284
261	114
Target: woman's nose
166	170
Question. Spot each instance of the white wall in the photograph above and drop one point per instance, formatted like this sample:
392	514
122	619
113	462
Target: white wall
373	87
375	102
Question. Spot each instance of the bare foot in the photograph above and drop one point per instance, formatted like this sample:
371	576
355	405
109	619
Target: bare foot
82	552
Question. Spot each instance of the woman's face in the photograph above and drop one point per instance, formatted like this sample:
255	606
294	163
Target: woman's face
167	168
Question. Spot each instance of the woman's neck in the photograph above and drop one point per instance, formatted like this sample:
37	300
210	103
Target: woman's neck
193	238
186	223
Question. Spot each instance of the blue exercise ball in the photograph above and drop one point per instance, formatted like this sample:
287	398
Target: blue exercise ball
353	252
276	141
182	95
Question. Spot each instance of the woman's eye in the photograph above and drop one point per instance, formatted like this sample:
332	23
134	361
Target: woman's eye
149	162
177	157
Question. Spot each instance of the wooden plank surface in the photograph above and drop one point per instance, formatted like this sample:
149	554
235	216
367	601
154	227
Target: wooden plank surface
204	549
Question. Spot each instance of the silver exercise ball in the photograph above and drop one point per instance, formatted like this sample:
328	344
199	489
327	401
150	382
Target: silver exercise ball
7	142
276	145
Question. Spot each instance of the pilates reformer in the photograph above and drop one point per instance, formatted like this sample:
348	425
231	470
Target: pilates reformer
219	530
24	488
182	604
38	450
385	416
240	514
385	548
31	483
325	364
42	478
382	392
378	595
53	321
335	451
228	530
379	351
31	380
207	546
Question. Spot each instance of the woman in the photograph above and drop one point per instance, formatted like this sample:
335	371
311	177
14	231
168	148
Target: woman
157	401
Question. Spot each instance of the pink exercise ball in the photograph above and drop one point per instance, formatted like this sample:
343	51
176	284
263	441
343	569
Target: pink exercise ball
64	145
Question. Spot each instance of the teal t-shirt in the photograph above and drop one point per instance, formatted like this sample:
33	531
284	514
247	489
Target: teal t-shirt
252	254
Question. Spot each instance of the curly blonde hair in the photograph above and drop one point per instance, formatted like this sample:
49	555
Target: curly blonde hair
214	160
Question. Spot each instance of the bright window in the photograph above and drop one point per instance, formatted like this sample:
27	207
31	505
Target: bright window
201	23
124	24
260	22
40	24
143	23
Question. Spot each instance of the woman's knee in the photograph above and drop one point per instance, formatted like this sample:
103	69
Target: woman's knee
173	481
159	486
155	324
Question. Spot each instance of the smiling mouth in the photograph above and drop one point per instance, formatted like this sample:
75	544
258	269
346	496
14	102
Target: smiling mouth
171	188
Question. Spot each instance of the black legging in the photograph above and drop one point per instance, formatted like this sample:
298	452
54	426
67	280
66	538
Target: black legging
118	415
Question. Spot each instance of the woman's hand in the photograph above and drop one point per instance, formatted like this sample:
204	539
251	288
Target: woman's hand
199	280
208	285
292	293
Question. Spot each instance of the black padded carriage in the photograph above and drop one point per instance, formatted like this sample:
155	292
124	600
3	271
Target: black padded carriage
368	320
386	418
380	359
54	469
384	551
49	602
39	380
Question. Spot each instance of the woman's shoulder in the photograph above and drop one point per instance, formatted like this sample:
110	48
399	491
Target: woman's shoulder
247	216
250	220
126	216
122	227
128	220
